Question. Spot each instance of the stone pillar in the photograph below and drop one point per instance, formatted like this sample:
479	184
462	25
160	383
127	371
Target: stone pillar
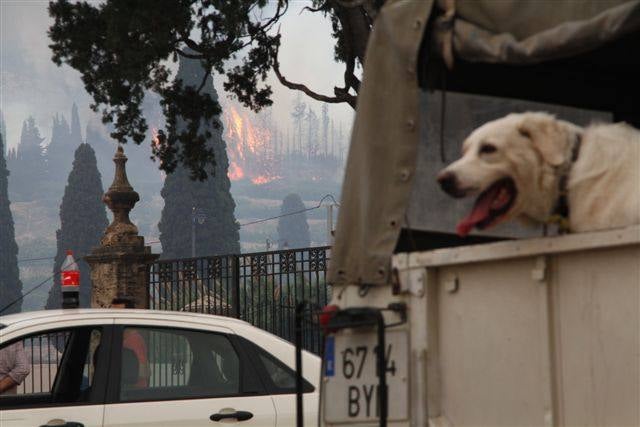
120	265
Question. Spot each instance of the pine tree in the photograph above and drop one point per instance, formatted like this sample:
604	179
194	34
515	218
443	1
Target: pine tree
83	219
218	235
60	151
28	166
293	230
75	134
298	115
325	129
10	285
3	131
312	134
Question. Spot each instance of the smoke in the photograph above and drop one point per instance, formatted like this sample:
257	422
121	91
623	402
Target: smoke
31	84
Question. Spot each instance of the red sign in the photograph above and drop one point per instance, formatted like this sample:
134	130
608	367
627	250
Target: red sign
70	278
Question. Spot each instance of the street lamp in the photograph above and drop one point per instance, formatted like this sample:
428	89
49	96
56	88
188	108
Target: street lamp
197	216
329	216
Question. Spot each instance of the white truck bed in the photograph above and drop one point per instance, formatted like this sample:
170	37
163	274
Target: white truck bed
537	332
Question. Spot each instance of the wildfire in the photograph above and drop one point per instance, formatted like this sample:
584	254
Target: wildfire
154	137
235	172
262	179
249	148
155	141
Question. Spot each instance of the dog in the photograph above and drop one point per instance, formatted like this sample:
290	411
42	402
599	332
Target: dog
538	169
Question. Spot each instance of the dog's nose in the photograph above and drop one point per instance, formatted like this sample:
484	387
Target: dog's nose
448	182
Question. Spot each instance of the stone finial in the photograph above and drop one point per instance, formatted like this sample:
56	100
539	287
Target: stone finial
120	266
121	198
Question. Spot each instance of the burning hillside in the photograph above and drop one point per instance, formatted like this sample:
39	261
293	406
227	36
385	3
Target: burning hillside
251	148
260	153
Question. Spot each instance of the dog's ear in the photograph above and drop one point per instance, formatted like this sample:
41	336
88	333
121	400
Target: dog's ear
546	135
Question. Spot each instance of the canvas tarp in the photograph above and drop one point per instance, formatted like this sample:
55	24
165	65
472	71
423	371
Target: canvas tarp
384	142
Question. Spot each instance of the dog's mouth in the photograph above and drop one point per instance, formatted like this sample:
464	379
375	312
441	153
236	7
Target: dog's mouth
491	206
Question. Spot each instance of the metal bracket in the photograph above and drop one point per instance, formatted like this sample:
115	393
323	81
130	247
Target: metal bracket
451	283
539	271
410	281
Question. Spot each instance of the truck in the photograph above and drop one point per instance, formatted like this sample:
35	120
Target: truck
511	326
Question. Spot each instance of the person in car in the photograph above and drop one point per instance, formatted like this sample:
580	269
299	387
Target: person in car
132	340
14	367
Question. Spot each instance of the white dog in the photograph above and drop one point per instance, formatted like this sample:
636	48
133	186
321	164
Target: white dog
534	167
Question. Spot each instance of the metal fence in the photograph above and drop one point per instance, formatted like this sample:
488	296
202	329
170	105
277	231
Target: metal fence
43	353
261	288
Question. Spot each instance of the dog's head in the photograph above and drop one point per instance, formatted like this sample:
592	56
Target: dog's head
508	163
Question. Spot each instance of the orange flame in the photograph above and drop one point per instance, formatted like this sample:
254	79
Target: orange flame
248	147
155	141
262	179
235	172
154	136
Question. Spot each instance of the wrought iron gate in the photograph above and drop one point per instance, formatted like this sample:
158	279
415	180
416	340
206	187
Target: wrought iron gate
261	288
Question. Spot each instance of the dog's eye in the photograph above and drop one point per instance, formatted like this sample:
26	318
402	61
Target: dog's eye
487	149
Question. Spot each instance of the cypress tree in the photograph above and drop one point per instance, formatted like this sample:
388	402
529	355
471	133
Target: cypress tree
60	151
219	234
28	167
75	134
293	230
10	285
83	219
3	131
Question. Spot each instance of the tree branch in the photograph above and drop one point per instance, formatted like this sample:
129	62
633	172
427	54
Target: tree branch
191	44
356	28
204	78
341	94
350	80
188	55
350	3
266	26
314	9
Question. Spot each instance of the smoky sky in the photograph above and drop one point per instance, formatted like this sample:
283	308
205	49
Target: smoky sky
31	84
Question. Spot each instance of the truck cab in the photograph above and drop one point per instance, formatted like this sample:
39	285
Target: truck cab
512	326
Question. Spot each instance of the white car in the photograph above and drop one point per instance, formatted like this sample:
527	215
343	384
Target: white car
91	367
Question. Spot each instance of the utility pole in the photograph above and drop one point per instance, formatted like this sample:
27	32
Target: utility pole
330	224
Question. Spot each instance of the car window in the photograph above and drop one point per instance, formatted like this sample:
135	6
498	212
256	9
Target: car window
170	364
91	359
38	357
281	376
51	366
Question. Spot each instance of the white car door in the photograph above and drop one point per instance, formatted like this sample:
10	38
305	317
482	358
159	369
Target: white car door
280	380
64	386
174	375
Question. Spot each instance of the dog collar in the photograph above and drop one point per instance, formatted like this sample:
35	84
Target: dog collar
560	213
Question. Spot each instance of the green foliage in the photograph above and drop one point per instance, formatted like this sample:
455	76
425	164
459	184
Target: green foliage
218	235
293	229
10	285
83	219
121	48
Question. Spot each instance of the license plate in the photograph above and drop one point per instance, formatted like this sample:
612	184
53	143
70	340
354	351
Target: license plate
351	380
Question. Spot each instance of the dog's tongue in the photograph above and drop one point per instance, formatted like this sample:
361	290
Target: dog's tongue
479	213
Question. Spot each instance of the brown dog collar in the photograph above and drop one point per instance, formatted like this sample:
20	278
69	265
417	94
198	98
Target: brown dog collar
560	213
